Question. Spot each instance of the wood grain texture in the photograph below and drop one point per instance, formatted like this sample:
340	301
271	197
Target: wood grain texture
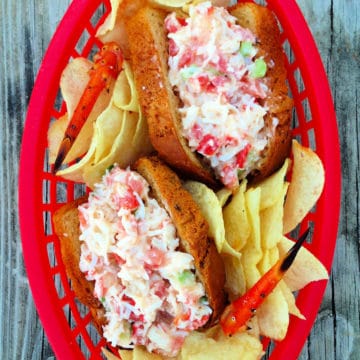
26	29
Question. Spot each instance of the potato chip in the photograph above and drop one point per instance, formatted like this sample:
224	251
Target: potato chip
243	346
305	188
290	299
223	3
253	245
121	151
273	315
271	187
235	284
141	145
223	196
265	263
140	353
75	171
107	126
271	221
125	95
170	4
305	268
237	227
55	135
110	21
113	28
73	81
211	210
109	355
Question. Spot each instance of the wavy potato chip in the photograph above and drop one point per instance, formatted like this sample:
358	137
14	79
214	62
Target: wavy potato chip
198	346
235	284
271	187
253	245
273	315
121	151
211	210
307	182
305	268
223	196
126	354
140	353
109	355
125	95
237	227
290	299
271	221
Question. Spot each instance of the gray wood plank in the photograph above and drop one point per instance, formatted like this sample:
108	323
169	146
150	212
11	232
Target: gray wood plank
26	29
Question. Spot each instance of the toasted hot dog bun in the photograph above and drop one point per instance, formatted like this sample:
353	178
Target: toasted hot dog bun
148	47
192	230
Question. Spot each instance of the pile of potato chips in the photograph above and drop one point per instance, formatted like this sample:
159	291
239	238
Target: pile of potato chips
115	131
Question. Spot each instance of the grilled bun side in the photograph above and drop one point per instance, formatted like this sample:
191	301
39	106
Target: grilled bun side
67	227
149	59
262	22
192	228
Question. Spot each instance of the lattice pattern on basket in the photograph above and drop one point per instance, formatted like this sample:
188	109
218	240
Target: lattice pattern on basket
57	192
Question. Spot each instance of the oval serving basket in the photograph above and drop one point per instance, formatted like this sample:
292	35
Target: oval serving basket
67	323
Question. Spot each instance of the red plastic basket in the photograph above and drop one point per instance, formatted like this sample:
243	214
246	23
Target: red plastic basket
67	323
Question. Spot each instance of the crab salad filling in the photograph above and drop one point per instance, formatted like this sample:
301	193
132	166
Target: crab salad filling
215	70
129	248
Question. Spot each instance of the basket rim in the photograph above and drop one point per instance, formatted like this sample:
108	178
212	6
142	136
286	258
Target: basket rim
30	188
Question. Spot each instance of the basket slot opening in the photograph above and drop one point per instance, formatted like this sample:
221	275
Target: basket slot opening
83	40
98	15
46	192
50	248
307	112
61	192
69	316
47	223
59	286
288	51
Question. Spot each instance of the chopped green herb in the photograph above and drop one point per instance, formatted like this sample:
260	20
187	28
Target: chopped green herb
258	69
186	276
189	71
247	49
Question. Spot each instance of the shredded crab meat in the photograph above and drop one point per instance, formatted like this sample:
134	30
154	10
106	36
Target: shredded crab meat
129	249
214	68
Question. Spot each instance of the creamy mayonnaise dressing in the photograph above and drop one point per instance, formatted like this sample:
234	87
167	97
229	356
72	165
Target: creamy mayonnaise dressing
129	248
213	68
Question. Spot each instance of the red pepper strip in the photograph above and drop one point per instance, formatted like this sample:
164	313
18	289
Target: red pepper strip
108	64
239	312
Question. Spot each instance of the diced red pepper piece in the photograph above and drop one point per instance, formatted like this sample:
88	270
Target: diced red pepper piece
242	156
208	145
173	48
129	201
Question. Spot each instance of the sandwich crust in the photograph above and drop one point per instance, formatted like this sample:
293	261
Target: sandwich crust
149	57
262	22
192	228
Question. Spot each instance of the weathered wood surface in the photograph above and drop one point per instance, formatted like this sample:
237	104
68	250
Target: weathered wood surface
26	29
